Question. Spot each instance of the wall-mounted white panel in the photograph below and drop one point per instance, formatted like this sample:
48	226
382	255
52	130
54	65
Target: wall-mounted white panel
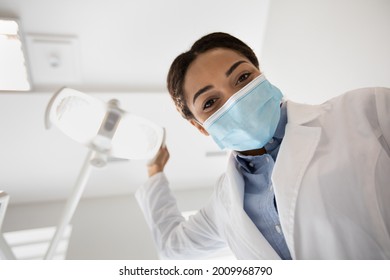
55	60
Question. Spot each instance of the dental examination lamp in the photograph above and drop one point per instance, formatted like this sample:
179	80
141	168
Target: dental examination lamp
108	132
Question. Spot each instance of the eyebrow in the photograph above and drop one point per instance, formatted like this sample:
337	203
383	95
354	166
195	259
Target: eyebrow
200	92
233	67
228	73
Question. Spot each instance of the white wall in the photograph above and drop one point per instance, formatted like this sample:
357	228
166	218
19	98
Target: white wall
317	49
103	228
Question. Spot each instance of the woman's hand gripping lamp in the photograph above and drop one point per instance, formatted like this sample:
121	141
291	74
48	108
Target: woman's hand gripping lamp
106	130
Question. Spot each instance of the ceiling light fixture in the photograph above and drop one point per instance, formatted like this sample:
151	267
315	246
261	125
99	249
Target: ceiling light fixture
13	69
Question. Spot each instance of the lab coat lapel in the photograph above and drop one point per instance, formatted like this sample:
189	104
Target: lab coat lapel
297	149
242	234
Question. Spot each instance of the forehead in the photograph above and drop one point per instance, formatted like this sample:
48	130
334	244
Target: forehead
209	66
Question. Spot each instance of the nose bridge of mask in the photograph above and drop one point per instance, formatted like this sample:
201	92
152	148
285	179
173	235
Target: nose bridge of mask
232	100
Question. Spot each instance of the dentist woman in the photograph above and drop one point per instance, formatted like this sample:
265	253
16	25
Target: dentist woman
302	181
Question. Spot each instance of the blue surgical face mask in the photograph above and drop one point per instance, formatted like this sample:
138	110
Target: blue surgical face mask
248	119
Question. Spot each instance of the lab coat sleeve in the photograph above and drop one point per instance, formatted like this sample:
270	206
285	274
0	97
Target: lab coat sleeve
175	237
382	96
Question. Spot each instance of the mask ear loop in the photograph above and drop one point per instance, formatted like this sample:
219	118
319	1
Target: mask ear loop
198	122
201	127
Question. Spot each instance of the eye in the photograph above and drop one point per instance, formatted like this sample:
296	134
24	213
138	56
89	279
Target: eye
209	103
243	78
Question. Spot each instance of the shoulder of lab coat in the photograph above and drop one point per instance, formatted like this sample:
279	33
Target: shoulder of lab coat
383	110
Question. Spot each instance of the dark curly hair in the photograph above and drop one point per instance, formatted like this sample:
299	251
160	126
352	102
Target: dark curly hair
178	69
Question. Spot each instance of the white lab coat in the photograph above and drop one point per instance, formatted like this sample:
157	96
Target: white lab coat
331	182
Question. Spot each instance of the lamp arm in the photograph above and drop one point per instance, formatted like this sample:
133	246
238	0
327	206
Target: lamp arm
6	252
71	204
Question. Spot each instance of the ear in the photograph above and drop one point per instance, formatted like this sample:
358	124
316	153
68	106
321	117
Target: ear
199	127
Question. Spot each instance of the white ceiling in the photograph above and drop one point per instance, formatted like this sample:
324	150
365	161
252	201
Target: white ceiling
128	45
124	49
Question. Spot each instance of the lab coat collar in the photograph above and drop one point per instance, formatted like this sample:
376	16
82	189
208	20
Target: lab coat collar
297	114
302	113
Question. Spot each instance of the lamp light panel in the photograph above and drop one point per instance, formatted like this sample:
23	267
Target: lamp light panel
102	126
